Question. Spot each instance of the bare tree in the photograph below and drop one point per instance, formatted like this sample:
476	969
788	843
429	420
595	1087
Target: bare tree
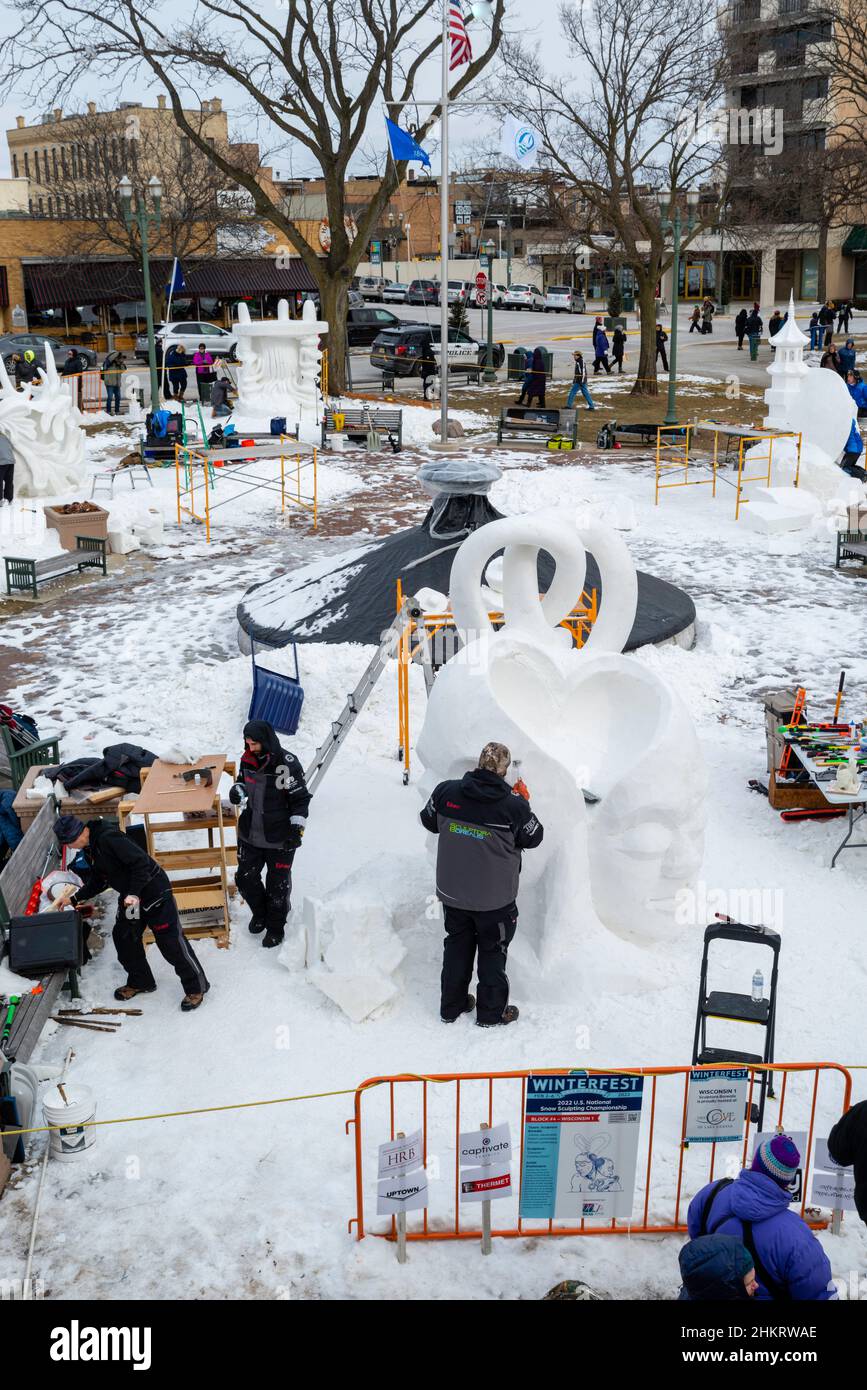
314	71
629	118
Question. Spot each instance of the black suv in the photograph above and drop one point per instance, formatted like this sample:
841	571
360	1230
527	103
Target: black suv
363	324
408	350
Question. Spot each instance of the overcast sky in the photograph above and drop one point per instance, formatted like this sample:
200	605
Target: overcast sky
466	130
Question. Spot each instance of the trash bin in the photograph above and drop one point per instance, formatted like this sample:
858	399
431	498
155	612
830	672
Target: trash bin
628	302
205	391
516	364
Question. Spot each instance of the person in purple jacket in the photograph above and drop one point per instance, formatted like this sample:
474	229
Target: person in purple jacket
790	1263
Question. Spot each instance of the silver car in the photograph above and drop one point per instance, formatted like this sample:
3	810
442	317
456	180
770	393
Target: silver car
524	297
459	291
190	332
394	294
11	343
562	299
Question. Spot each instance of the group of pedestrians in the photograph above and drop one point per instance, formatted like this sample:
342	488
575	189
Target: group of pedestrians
702	316
171	368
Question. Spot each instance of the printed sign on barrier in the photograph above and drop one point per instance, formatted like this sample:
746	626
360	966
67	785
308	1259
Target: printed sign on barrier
483	1184
483	1145
401	1155
401	1193
716	1106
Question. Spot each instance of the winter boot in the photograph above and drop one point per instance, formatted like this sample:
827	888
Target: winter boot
257	924
510	1013
467	1009
272	939
129	992
190	1002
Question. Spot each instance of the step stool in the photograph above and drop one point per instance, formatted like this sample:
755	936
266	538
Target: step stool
109	476
740	1007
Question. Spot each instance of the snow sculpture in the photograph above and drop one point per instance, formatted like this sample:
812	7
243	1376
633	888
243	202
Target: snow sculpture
43	425
130	388
787	371
574	719
279	364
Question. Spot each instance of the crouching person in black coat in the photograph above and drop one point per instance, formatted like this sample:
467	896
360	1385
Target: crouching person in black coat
145	900
270	828
847	1144
483	825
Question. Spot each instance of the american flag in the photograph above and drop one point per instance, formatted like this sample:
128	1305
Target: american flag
460	40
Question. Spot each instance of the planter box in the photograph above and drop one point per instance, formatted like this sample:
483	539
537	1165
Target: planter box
70	525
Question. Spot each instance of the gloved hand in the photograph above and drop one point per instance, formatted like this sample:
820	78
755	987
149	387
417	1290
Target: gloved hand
296	835
521	789
237	794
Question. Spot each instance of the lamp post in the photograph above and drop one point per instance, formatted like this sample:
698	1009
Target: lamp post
144	219
668	203
489	374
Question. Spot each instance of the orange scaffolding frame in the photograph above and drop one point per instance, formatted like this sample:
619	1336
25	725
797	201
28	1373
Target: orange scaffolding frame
452	1227
673	445
189	458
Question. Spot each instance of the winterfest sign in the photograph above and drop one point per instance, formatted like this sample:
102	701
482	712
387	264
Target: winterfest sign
580	1145
716	1106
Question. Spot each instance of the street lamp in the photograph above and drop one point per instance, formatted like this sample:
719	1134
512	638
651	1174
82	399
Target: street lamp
489	374
668	204
145	219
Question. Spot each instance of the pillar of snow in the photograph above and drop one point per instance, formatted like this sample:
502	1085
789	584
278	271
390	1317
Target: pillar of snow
279	364
787	372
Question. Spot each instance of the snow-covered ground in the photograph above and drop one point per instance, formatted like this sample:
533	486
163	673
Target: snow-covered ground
254	1203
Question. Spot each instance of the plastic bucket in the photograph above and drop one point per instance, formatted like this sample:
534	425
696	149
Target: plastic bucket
75	1120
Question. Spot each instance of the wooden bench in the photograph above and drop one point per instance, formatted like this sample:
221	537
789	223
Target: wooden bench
851	545
519	421
357	423
23	575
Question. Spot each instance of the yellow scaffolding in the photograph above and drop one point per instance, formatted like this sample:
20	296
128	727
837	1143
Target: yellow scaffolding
294	485
673	455
417	633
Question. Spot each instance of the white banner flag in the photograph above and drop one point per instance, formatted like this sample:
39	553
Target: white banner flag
521	142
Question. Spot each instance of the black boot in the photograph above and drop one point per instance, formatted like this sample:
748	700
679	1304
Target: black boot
467	1009
271	938
256	925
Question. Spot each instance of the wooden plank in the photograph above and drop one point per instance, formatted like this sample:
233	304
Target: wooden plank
195	858
164	791
23	1040
198	897
173	826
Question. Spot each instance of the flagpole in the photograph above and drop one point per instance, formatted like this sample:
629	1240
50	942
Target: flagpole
444	234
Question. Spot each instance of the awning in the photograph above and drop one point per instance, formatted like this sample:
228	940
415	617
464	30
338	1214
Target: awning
69	283
856	242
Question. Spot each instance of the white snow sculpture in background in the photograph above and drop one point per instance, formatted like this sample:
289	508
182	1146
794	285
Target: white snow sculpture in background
279	364
43	424
787	371
574	719
130	388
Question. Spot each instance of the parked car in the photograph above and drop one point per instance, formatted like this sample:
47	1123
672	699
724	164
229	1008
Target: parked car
499	296
394	293
11	343
458	291
413	349
364	324
562	299
524	297
356	299
190	332
371	286
423	292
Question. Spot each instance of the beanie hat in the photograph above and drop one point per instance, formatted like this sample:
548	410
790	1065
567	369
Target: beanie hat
777	1158
67	829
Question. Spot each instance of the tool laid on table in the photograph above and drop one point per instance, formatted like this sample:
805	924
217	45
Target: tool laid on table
839	694
192	773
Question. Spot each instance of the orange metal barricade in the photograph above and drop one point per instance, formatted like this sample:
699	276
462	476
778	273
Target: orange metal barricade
442	1105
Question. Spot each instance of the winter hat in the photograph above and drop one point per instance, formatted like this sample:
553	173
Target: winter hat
495	757
67	829
777	1158
713	1269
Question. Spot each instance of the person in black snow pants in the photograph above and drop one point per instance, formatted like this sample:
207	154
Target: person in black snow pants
270	828
483	825
145	900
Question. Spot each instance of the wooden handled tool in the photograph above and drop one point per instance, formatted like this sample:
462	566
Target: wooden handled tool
67	891
839	694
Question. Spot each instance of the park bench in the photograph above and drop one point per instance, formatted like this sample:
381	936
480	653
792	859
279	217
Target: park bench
19	761
358	423
521	421
851	545
636	432
25	575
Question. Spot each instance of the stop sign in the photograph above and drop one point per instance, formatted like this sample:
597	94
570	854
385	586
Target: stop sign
481	280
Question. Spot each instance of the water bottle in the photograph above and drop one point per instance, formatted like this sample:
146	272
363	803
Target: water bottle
758	987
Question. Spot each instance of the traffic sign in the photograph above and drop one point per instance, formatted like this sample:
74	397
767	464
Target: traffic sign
481	299
481	280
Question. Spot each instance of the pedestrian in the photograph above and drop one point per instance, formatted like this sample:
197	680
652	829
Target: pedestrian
844	313
815	330
74	366
858	391
145	902
695	321
775	323
753	329
716	1269
600	348
275	798
7	470
826	319
847	1145
597	328
707	313
205	374
579	383
536	387
755	1207
176	360
11	833
741	328
851	454
661	340
527	380
113	369
220	397
618	348
484	826
25	369
831	359
846	357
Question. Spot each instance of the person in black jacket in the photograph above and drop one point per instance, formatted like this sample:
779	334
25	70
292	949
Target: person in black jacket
270	828
483	825
826	319
741	328
661	340
847	1144
145	900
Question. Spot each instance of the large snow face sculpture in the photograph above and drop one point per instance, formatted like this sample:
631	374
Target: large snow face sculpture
43	425
575	719
279	364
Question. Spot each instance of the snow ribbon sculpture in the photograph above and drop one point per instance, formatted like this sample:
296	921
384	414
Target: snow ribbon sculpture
43	425
574	719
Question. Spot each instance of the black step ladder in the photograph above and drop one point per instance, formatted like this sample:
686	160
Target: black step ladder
740	1007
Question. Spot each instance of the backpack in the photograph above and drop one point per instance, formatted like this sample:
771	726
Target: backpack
21	727
778	1293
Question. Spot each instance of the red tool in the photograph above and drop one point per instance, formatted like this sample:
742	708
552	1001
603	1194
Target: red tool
820	813
800	701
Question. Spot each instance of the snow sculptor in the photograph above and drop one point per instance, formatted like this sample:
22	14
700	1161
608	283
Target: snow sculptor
43	425
279	364
574	719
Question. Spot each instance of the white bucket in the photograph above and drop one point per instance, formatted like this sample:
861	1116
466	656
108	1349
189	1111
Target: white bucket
338	443
76	1132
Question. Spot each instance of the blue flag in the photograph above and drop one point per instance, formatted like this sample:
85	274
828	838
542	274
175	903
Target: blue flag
177	282
402	144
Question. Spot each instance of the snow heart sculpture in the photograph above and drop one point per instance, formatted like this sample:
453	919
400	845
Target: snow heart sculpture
279	364
574	719
43	425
